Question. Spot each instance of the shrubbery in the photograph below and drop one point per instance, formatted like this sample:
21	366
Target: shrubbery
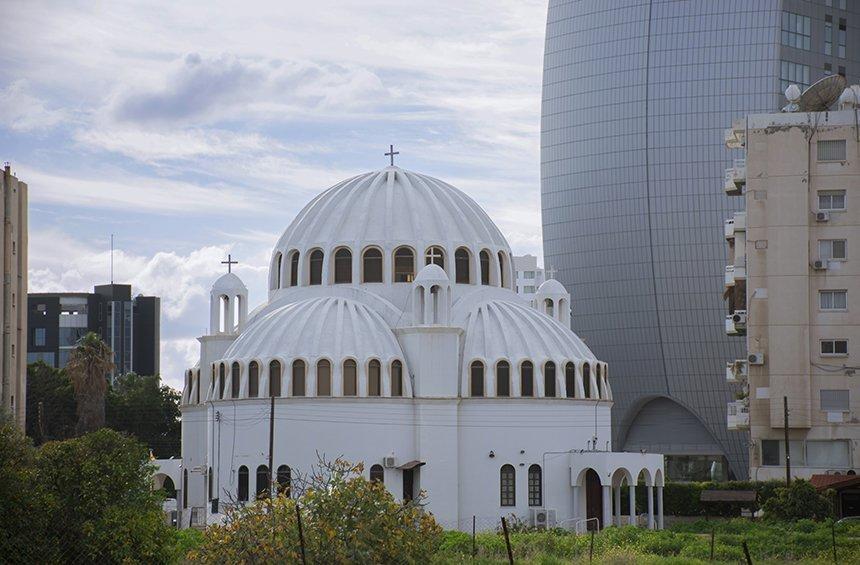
683	499
798	501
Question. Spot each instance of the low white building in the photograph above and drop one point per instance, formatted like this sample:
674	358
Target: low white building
528	276
392	335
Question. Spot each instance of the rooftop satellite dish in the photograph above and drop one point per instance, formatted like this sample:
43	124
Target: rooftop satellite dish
822	95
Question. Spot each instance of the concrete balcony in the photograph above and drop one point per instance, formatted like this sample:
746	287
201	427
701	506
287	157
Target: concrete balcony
735	137
737	371
730	276
736	178
738	415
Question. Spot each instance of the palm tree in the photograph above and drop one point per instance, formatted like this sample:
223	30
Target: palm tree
88	367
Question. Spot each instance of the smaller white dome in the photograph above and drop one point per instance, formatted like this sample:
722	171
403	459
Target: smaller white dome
432	273
552	287
229	282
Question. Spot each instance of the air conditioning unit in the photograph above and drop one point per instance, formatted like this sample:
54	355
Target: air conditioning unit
543	518
822	216
389	462
755	358
739	319
819	265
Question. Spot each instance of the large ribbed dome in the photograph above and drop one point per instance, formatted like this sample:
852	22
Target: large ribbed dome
392	206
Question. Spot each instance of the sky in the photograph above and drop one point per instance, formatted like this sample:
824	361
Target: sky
191	130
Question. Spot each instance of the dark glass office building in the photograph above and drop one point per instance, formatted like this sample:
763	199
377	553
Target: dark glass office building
131	326
636	97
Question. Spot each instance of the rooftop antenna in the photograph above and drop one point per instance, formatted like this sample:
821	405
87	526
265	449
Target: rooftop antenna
111	258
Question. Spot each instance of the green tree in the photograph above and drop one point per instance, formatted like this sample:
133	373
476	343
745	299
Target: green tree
88	367
21	514
148	410
52	389
798	501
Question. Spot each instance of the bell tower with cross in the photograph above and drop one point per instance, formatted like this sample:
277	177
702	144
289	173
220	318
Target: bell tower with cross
228	302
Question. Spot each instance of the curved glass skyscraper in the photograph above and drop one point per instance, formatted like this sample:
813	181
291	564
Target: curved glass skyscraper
636	96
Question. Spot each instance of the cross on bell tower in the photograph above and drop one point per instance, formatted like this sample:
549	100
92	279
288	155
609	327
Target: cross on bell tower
391	153
550	273
229	262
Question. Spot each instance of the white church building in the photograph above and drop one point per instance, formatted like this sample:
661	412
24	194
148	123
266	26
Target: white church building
392	335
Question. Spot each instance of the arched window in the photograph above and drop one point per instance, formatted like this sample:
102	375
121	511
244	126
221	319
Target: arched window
222	375
242	494
372	266
586	380
548	307
396	378
599	390
508	485
377	474
316	265
210	481
404	265
374	378
197	390
298	377
185	488
527	381
253	380
549	379
234	381
485	267
434	255
294	269
570	380
350	378
343	266
535	486
477	380
503	378
323	377
462	266
502	279
262	482
279	259
275	378
284	478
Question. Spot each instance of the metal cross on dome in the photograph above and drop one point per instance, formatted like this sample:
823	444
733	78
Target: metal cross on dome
550	273
229	262
391	153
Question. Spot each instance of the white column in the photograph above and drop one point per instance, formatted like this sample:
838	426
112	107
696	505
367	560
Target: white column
617	505
575	513
631	495
607	507
650	507
428	307
659	507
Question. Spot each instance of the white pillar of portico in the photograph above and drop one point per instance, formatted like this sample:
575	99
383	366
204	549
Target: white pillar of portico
618	505
575	503
607	507
631	495
659	507
650	507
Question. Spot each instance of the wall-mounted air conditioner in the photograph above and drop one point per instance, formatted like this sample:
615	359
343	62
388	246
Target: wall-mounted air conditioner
822	216
739	319
756	358
819	265
389	462
543	518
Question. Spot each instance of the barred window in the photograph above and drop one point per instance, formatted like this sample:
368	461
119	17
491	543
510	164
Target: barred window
834	400
828	34
535	486
831	150
242	493
284	477
377	474
507	485
834	347
477	379
549	379
503	378
833	299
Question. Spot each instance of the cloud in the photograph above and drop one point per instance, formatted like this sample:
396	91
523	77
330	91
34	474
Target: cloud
23	112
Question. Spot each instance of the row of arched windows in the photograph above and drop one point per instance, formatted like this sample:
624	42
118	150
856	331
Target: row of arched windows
298	380
508	485
477	380
403	267
261	490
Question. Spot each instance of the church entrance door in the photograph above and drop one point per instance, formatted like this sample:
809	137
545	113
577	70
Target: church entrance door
593	499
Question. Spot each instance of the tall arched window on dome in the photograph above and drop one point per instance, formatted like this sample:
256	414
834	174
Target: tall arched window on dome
298	377
343	266
503	378
477	379
599	390
462	266
316	267
276	275
275	378
404	265
374	378
396	378
294	268
548	307
485	267
262	490
435	255
222	376
284	477
350	378
508	485
323	377
527	379
371	265
586	380
234	381
549	379
502	266
570	380
253	379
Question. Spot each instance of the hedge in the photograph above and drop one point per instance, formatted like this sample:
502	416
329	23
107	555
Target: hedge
683	499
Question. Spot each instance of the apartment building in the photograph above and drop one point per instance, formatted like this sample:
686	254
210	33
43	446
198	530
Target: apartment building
529	275
793	288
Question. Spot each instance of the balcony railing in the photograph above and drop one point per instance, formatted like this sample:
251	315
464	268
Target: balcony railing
738	415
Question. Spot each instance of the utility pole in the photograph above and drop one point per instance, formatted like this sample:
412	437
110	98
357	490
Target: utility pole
787	450
271	445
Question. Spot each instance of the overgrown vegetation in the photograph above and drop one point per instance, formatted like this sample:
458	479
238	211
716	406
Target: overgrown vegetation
799	501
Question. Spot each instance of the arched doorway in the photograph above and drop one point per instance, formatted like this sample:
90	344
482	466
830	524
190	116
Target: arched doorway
593	500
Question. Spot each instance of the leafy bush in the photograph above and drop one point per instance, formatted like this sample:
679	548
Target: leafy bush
799	500
684	499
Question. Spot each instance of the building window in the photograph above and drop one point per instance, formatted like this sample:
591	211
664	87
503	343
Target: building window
374	378
528	275
316	264
831	150
842	71
253	379
535	486
586	380
298	378
833	299
834	400
435	255
234	381
828	34
377	474
828	69
343	266
39	337
210	479
503	378
404	265
570	380
372	266
773	452
284	477
350	378
242	493
279	259
294	269
832	200
529	289
462	265
793	73
508	485
832	249
502	269
843	27
262	482
396	378
527	381
484	256
796	30
549	379
275	378
828	454
185	488
477	379
834	347
323	377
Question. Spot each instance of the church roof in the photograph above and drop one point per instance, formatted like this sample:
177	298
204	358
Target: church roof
228	282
